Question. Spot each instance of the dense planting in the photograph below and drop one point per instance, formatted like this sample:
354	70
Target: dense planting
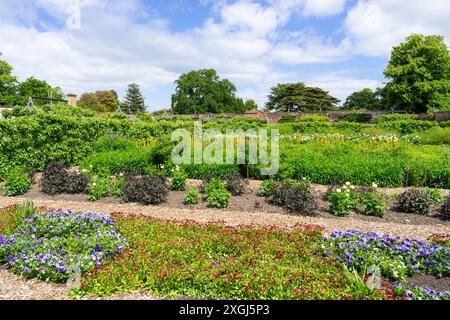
55	245
219	262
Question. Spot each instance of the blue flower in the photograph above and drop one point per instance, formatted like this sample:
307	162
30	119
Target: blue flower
97	247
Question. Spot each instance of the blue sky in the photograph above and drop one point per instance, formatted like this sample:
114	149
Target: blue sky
87	45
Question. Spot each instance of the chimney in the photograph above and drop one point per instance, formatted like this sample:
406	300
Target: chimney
72	99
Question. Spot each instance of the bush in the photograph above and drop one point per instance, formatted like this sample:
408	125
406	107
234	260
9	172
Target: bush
192	196
144	189
301	198
235	184
277	194
99	188
343	200
356	117
216	194
17	182
116	187
57	245
179	180
287	118
54	179
265	188
77	182
113	142
435	194
396	117
445	210
415	201
374	204
314	118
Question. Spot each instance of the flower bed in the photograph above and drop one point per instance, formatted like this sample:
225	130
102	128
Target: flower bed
55	245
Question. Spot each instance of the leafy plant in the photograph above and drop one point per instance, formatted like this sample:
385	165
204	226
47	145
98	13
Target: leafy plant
374	204
178	180
300	198
54	178
278	192
17	182
77	182
235	184
343	200
415	201
99	188
216	194
25	210
144	189
445	210
116	187
192	196
265	188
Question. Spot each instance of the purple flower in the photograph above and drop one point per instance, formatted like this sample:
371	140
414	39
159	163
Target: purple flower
97	247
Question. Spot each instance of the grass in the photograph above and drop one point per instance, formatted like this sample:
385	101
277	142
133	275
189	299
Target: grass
220	262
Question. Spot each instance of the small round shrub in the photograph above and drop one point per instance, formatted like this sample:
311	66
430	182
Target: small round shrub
235	184
277	194
343	200
216	194
300	198
374	204
77	182
192	196
17	182
99	188
415	201
445	210
179	180
265	188
54	179
145	189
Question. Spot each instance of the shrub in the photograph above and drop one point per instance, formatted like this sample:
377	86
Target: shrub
77	182
415	201
343	200
435	194
54	179
235	184
178	180
356	117
287	118
17	182
116	187
445	210
265	188
192	196
113	142
144	189
277	194
374	204
56	245
99	188
301	198
216	194
396	117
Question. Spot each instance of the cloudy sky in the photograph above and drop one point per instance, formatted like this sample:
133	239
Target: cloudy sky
88	45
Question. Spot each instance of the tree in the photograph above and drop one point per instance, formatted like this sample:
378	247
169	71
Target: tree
364	99
33	87
134	101
291	97
202	91
8	85
419	73
101	101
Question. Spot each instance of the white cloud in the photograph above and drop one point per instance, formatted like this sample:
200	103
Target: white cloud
323	8
375	26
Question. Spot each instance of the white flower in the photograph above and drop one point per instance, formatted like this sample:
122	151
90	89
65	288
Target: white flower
338	190
304	178
84	170
91	166
344	187
374	185
94	184
352	187
121	174
347	183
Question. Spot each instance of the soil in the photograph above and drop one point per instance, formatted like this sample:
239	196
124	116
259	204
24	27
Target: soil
428	281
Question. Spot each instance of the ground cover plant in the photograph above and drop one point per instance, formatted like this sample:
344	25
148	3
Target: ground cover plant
219	262
57	244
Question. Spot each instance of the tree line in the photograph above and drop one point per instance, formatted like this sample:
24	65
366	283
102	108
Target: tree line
418	81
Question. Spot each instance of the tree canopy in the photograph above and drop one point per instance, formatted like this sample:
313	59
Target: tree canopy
364	99
419	73
102	101
202	91
134	100
33	87
8	85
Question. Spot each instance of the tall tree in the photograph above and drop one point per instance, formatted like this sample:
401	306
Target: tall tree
419	73
298	97
101	101
33	87
203	91
364	99
134	100
8	85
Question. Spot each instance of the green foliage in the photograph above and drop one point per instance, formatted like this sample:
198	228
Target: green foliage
436	135
287	118
116	187
396	117
134	100
202	91
314	118
365	99
415	201
219	262
216	194
192	196
298	97
419	70
8	85
343	200
144	189
356	117
33	87
265	188
17	182
99	188
374	204
101	101
435	194
178	180
25	210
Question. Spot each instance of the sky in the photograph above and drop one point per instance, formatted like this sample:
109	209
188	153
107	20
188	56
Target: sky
86	45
